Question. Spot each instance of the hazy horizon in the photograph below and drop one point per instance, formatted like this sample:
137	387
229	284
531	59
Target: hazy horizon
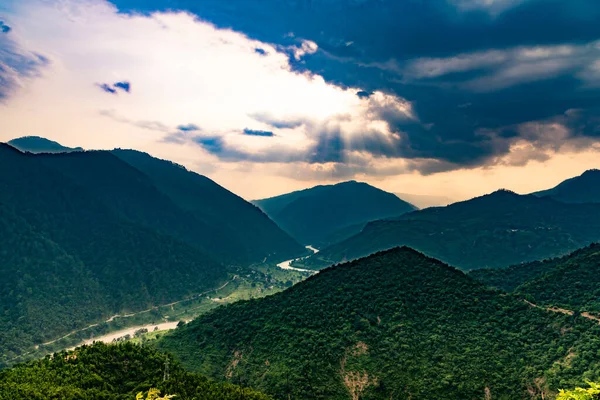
265	109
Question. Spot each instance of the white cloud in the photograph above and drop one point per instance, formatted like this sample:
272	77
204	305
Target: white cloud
494	7
499	69
182	71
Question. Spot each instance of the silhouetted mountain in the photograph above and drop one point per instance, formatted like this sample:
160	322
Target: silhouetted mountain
36	144
571	282
393	325
247	232
86	236
323	214
581	189
495	230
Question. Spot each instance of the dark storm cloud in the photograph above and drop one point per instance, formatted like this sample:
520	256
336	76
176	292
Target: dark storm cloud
125	86
188	128
16	65
115	87
213	144
253	132
475	72
107	88
4	28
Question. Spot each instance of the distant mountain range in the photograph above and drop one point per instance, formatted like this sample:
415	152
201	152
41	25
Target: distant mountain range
396	324
581	189
326	214
87	235
36	144
495	230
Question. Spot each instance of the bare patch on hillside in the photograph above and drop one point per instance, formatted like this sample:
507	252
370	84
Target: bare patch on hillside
356	381
237	357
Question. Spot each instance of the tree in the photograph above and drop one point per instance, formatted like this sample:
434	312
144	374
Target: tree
153	394
591	393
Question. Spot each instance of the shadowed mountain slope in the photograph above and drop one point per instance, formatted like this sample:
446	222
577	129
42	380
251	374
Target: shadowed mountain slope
323	214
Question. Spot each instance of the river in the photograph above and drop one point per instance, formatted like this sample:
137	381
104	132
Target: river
287	264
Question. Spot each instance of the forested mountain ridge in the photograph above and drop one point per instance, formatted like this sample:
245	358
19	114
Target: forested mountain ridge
232	220
571	282
67	259
117	372
87	236
495	230
396	324
580	189
325	214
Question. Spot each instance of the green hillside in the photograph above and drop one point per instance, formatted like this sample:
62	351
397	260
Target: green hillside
116	372
88	236
69	259
396	325
571	282
326	214
240	229
496	230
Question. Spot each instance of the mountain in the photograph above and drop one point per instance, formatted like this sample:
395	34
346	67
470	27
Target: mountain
232	220
581	189
396	324
117	372
571	282
318	215
68	258
87	236
495	230
425	201
36	144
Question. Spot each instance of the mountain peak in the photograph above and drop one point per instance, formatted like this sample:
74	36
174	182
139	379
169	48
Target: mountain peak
580	189
329	213
37	144
591	173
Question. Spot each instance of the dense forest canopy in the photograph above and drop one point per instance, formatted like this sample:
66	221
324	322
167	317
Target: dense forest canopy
86	236
395	324
115	372
571	282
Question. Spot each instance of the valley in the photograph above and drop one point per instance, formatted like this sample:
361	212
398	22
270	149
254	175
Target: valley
300	200
495	296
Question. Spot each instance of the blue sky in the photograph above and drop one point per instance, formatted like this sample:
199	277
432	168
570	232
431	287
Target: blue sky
453	97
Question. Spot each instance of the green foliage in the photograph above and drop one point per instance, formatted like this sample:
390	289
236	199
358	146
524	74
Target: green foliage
327	214
393	325
115	372
591	393
237	229
86	236
493	231
571	282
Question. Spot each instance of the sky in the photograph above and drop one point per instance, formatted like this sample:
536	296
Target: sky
444	98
